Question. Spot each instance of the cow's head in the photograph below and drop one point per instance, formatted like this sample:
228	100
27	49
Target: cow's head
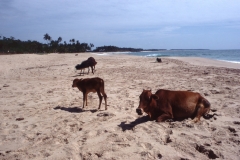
146	99
78	67
75	81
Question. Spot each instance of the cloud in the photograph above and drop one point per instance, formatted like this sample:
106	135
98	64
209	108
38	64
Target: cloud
128	19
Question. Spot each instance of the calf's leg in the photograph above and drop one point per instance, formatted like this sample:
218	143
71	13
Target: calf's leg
84	99
105	99
100	99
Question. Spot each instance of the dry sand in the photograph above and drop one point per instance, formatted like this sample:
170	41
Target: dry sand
41	115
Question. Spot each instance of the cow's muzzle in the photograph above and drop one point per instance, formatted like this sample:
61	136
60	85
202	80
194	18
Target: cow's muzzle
139	111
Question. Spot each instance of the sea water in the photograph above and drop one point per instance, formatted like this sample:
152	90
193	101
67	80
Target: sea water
222	55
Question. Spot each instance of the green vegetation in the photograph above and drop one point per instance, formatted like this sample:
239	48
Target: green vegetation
116	49
12	46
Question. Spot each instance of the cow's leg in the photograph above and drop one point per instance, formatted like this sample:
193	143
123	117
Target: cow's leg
202	109
105	99
164	117
200	112
81	72
100	99
88	70
83	99
92	69
86	98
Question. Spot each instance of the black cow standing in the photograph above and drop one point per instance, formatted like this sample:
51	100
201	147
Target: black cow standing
90	62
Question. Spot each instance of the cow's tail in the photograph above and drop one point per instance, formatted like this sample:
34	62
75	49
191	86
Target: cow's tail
104	93
103	88
207	105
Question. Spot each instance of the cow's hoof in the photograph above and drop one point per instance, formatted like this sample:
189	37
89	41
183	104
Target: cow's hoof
169	120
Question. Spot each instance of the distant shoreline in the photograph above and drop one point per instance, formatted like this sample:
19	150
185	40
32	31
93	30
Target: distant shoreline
207	62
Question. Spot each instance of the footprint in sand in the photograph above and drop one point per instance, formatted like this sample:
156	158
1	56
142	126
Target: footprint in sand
145	145
30	127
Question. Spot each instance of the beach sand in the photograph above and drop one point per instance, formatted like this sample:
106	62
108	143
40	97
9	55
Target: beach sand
42	116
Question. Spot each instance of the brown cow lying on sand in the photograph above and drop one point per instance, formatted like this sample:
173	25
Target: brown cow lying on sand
178	105
91	85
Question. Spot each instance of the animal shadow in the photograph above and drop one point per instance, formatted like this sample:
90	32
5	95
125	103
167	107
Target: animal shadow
79	74
131	125
74	109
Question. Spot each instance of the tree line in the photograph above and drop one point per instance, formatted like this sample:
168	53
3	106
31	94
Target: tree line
11	45
116	49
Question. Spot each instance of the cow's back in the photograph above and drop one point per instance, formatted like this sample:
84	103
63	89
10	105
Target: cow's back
180	103
91	84
83	65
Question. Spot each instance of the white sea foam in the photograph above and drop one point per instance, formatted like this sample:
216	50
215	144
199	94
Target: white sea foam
152	55
230	61
231	56
101	54
110	53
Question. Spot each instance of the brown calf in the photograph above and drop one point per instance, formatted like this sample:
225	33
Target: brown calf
91	85
165	104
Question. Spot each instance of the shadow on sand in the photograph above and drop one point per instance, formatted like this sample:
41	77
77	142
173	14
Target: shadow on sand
131	125
78	74
83	73
74	109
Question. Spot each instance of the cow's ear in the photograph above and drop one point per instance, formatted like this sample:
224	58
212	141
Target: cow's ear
154	96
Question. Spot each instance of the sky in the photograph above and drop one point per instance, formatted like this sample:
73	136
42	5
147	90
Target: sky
153	24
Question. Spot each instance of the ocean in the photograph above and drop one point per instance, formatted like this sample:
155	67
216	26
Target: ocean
232	56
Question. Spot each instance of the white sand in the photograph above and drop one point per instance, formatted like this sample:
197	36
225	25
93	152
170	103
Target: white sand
37	89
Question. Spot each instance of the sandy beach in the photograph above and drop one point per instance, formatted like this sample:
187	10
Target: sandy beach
42	116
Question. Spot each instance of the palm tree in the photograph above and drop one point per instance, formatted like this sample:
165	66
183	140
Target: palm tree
59	39
47	37
73	40
91	45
